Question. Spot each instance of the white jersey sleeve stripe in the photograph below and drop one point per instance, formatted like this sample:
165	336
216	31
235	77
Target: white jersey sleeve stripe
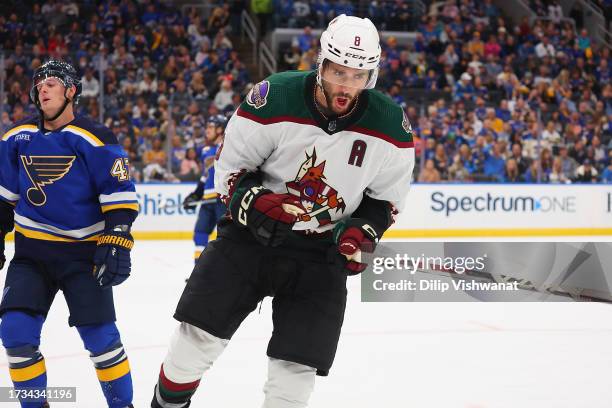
77	234
8	195
121	196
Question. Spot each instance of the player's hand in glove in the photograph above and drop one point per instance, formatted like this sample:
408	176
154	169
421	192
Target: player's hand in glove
112	264
353	236
191	200
269	217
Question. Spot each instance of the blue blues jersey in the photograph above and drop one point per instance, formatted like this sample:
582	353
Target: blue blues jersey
63	182
208	171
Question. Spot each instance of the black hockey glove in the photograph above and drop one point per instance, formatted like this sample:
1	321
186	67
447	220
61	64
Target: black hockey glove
269	216
352	236
112	264
191	200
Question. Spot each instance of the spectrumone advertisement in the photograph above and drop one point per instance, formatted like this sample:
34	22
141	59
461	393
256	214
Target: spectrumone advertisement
434	211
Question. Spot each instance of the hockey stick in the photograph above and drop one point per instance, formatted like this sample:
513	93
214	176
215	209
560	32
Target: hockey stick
309	216
171	204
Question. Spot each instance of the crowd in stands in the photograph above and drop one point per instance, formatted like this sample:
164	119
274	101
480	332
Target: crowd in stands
526	102
157	64
390	15
529	102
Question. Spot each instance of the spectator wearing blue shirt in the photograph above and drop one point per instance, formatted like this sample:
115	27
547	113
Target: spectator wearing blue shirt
465	155
457	25
479	155
305	39
531	175
431	30
377	14
392	49
283	8
150	17
409	78
525	50
344	7
606	176
431	81
602	72
419	43
323	10
464	90
430	147
494	164
395	94
503	112
481	109
491	9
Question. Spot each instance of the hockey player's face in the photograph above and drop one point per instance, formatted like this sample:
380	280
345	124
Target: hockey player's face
342	86
211	132
51	95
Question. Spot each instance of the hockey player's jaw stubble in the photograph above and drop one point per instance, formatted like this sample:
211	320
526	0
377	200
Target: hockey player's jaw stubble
335	99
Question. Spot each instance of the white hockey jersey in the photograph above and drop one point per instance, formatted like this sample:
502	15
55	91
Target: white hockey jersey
328	163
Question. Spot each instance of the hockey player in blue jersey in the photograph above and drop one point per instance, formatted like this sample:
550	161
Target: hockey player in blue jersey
211	208
66	189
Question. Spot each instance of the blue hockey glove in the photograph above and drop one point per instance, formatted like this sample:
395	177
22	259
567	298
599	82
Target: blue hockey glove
112	264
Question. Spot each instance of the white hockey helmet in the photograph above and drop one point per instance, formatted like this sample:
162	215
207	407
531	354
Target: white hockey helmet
351	42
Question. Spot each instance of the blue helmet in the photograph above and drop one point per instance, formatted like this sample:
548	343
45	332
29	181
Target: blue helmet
218	120
56	69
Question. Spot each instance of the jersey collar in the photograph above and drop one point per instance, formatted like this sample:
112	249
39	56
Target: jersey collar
332	124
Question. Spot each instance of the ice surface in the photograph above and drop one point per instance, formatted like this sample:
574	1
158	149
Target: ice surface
391	355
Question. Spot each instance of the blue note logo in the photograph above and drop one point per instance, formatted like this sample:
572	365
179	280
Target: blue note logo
43	171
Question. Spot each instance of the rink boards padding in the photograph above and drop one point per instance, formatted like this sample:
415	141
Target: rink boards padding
432	211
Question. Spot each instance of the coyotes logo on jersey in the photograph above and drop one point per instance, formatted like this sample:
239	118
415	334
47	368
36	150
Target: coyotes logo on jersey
316	196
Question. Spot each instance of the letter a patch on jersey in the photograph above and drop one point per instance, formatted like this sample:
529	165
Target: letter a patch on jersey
257	96
42	171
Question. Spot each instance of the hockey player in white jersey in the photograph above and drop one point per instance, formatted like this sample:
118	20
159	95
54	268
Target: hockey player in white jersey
314	167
